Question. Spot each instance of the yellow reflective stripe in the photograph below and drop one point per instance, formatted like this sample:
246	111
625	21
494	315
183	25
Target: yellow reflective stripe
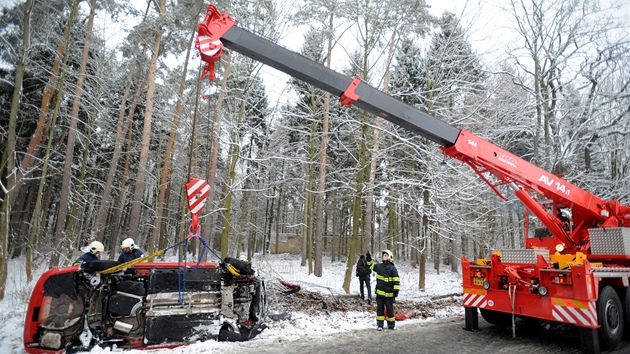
396	287
382	293
391	319
475	291
380	318
569	303
388	279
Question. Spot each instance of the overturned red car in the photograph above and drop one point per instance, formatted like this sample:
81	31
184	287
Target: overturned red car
145	306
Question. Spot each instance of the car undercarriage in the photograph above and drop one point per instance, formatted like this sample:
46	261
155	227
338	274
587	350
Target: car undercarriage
149	305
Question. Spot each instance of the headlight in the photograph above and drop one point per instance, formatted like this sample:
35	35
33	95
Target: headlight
560	247
542	290
486	285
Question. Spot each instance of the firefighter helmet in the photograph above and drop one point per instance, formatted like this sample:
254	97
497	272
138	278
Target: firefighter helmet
96	246
389	254
128	243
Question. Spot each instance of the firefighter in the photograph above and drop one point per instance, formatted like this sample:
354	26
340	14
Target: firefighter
92	251
387	287
129	251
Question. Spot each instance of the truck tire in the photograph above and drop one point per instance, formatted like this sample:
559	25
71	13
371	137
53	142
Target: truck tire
610	317
627	305
496	318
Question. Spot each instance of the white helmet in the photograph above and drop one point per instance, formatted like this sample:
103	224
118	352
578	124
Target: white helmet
390	254
128	243
95	246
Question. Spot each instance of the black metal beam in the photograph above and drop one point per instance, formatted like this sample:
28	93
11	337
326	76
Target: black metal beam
370	99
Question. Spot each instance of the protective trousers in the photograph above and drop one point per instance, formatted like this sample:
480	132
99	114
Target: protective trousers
365	281
386	303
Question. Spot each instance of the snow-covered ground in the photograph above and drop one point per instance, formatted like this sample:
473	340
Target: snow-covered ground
313	323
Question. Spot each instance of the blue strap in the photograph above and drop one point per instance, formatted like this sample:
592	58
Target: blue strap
205	245
203	251
181	273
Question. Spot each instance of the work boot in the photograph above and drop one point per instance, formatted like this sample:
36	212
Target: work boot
379	328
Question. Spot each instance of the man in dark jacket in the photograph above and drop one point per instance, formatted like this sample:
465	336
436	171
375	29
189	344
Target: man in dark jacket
129	251
363	272
92	252
387	287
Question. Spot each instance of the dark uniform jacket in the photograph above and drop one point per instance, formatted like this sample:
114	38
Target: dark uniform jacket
387	280
363	269
86	257
126	257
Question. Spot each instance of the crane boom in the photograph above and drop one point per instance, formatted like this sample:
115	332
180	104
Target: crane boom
353	92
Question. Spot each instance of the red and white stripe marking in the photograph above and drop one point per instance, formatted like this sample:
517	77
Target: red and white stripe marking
581	313
207	46
197	191
475	298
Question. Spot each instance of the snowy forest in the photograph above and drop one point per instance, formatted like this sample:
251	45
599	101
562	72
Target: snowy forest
104	116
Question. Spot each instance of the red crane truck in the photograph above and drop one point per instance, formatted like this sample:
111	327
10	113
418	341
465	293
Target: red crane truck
575	273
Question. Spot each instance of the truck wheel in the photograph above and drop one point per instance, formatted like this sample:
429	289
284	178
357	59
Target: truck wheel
627	305
610	317
496	318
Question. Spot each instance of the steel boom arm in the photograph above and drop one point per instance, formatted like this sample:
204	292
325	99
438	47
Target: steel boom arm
217	26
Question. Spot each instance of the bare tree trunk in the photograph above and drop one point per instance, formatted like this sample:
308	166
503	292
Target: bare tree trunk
278	218
101	215
369	207
245	214
120	202
422	264
49	89
67	166
320	228
357	206
35	219
307	240
229	184
8	158
79	192
216	127
391	217
166	169
269	215
403	233
335	234
138	193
